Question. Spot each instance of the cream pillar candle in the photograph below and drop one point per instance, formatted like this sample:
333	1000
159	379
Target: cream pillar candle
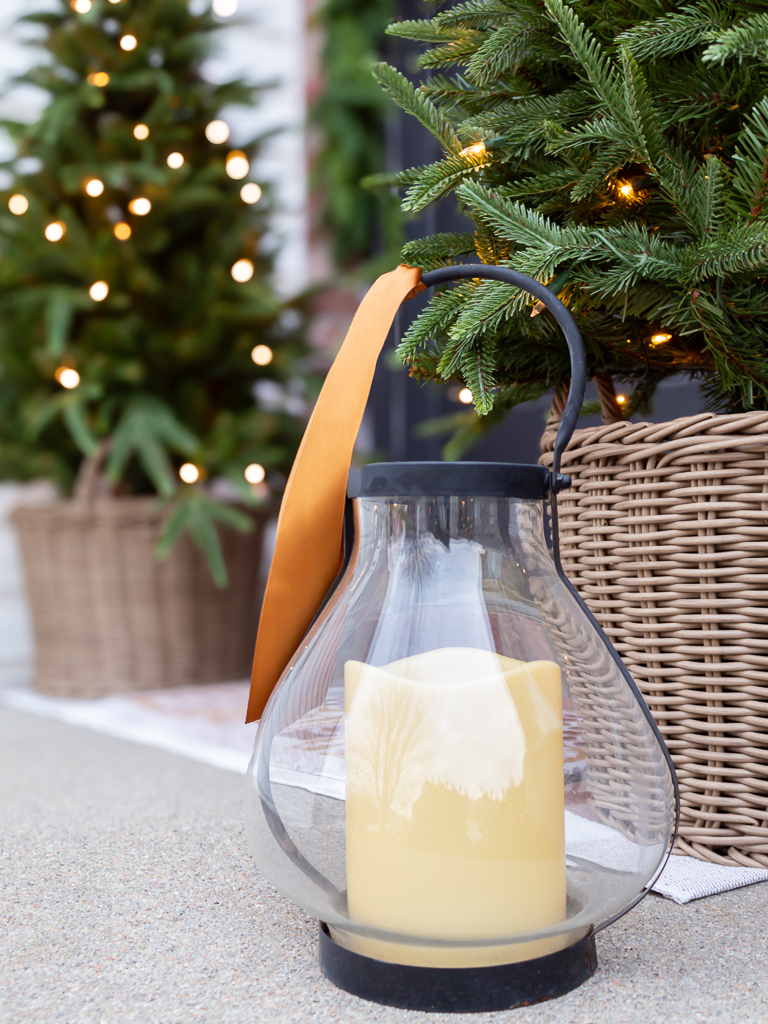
454	805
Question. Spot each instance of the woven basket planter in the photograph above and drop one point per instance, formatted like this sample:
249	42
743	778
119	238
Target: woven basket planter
110	617
665	535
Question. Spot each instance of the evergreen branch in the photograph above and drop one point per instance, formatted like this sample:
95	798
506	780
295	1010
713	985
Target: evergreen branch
748	38
439	250
750	157
414	102
661	38
439	179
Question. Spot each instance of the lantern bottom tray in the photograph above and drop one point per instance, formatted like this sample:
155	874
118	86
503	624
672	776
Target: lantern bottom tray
458	989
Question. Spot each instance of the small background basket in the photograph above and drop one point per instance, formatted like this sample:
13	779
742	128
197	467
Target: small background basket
665	535
109	616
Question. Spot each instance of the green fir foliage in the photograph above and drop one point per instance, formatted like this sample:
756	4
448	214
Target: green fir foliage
624	164
349	118
164	360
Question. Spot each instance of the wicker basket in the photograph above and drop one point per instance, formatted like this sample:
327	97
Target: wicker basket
109	617
665	534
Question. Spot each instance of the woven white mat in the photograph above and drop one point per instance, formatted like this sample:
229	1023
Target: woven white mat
205	723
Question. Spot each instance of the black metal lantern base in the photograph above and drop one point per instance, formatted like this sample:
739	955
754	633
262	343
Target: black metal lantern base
458	989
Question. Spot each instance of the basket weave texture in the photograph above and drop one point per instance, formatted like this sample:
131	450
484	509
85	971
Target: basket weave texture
664	533
109	616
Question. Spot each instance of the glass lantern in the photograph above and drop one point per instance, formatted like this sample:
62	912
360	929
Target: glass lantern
456	775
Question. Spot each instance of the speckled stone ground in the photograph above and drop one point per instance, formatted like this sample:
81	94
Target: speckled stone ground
128	897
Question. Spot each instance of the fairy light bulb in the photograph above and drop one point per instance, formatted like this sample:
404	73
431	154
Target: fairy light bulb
98	291
254	473
189	473
81	6
67	377
217	132
242	271
262	355
465	396
18	204
140	206
237	164
94	187
141	132
175	161
660	339
128	43
476	149
224	8
54	231
626	190
122	231
251	193
621	399
98	78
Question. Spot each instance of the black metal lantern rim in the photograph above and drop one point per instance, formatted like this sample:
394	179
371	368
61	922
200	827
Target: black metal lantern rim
439	479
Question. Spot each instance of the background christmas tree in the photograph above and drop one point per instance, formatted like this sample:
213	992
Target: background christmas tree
136	313
617	151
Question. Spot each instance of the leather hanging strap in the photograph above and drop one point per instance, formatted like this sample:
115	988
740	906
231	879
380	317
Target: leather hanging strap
309	530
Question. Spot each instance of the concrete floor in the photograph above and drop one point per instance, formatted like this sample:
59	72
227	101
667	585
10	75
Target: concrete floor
128	897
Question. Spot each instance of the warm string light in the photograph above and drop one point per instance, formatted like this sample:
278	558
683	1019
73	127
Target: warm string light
128	43
81	6
140	206
476	149
237	164
55	231
251	193
122	231
18	204
626	190
261	355
660	339
224	8
141	132
94	187
98	291
175	161
189	473
217	132
465	396
242	271
98	78
621	399
67	377
254	473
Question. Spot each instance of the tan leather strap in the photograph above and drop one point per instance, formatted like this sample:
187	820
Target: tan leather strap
309	531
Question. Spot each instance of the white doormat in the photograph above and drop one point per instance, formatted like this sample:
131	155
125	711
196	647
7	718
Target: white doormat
205	723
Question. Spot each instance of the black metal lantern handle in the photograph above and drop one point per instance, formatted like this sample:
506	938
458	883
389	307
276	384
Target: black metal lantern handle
566	323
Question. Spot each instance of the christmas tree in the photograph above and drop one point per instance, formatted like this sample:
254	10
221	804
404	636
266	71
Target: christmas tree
136	313
617	152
